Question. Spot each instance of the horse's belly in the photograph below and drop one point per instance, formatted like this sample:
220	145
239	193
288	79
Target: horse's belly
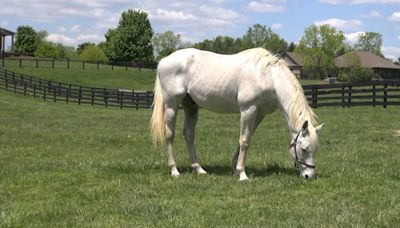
215	102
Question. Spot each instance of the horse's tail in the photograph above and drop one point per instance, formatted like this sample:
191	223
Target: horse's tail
157	125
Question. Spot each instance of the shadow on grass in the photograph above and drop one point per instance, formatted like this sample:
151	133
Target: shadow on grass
267	170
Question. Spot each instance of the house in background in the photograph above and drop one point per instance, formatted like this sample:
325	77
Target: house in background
382	67
3	34
295	62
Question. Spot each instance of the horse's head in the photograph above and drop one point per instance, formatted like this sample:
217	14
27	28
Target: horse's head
303	147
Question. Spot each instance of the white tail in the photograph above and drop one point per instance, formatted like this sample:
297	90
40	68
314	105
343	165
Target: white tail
157	125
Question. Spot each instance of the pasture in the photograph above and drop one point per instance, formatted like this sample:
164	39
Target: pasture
69	165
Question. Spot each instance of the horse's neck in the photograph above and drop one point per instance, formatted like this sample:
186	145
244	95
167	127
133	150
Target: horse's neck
285	93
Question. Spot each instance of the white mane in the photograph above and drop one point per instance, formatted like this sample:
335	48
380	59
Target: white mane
299	110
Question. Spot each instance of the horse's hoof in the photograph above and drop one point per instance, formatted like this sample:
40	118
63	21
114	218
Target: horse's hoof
174	172
243	177
201	171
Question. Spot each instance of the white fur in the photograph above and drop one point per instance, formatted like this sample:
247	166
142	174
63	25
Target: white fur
252	83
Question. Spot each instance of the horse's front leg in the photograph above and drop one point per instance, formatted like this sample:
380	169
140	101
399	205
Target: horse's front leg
247	126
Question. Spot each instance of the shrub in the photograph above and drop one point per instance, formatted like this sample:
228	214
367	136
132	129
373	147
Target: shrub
356	74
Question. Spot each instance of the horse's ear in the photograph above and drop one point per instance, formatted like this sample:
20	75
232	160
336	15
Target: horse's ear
318	128
304	129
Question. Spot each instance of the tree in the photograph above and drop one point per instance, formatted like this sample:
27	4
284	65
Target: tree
256	36
319	46
93	53
370	41
25	40
263	36
165	43
291	47
220	44
46	50
131	40
82	47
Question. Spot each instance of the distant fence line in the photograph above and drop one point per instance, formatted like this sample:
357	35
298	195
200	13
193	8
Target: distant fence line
69	64
376	93
69	93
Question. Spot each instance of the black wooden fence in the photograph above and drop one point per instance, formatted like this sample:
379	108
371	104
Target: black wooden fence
57	91
375	93
378	93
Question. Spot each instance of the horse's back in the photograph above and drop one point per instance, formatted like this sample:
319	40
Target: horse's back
220	83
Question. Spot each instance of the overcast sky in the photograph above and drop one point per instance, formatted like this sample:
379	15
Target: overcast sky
76	21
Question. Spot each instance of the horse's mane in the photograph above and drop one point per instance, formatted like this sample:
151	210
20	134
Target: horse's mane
299	110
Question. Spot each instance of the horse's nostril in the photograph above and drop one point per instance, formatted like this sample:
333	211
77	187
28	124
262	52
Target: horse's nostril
306	176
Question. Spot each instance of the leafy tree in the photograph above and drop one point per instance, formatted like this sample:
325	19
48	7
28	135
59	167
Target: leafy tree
275	44
82	47
40	36
25	40
71	53
291	47
165	43
370	41
46	49
93	53
131	40
256	36
398	61
263	36
220	44
319	46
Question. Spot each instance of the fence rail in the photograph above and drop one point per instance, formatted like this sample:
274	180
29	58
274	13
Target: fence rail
70	64
69	93
378	93
375	93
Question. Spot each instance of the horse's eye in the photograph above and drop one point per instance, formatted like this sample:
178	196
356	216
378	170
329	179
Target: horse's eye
303	150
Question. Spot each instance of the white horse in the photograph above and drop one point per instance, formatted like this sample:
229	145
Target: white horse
253	82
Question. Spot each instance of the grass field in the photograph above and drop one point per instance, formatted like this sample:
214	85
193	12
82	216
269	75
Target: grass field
119	78
81	166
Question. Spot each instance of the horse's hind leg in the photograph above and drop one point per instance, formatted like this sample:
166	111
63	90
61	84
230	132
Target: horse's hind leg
191	115
170	117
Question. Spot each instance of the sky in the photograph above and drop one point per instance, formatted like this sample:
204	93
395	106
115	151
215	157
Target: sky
76	21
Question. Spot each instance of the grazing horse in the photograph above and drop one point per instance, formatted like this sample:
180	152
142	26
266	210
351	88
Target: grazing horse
253	83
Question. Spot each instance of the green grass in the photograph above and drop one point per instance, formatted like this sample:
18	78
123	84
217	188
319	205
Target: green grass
83	166
90	76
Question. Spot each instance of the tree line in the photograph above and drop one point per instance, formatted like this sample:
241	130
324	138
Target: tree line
134	40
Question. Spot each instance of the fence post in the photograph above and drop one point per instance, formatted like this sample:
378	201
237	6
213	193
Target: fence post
52	63
373	95
121	99
67	63
68	93
92	97
14	82
80	95
83	64
343	99
37	63
20	63
385	95
2	61
136	101
97	65
349	98
6	78
126	66
112	65
314	97
34	90
105	94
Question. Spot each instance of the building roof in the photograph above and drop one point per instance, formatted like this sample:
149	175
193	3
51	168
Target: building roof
368	60
5	32
293	59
